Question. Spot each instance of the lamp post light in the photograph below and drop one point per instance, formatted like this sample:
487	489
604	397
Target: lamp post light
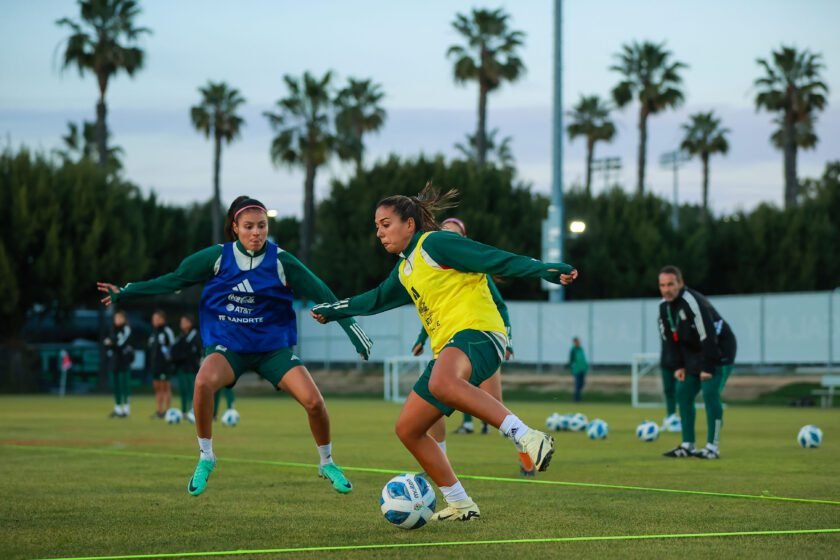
577	227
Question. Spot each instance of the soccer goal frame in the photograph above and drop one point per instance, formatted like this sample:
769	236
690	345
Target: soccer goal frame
642	365
400	373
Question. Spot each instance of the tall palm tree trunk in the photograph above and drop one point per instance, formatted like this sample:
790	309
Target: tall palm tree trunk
217	190
101	132
791	184
590	152
481	131
307	226
640	182
705	158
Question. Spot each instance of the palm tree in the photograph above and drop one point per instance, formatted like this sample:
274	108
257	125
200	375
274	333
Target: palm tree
489	58
704	137
502	153
648	74
793	87
305	139
80	145
358	112
590	118
216	116
103	42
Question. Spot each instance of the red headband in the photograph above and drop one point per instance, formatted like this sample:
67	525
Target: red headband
246	208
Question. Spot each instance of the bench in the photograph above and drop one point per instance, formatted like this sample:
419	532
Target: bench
829	384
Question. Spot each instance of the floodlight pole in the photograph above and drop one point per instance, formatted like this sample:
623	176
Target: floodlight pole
674	160
553	227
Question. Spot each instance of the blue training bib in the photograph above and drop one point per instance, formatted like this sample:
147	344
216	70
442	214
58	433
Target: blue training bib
248	311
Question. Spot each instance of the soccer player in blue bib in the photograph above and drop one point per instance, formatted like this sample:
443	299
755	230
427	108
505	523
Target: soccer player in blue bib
248	324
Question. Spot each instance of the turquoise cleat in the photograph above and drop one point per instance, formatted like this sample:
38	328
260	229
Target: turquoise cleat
198	482
333	473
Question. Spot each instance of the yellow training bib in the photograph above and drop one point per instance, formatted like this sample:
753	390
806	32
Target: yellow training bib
447	300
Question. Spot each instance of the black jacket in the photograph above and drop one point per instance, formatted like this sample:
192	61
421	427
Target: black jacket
119	350
159	350
186	352
694	335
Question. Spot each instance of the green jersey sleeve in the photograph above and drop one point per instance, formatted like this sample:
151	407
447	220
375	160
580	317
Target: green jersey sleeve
390	294
305	283
452	250
195	269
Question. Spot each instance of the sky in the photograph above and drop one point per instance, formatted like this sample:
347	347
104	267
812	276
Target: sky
252	44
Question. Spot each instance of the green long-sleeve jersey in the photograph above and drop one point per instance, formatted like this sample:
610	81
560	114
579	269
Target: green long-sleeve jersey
448	250
204	264
500	305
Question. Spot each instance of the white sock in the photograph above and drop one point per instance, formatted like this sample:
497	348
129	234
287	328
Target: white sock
454	493
442	445
687	444
712	447
514	428
205	445
117	409
127	408
468	425
325	451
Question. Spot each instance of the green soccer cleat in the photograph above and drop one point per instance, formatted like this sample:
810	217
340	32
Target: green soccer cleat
334	474
198	482
462	510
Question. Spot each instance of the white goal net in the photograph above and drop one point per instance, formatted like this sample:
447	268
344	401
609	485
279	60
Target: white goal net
646	382
401	372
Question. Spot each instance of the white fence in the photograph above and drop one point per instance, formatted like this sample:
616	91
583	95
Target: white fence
784	329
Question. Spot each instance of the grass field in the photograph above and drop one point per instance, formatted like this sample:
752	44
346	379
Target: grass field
76	484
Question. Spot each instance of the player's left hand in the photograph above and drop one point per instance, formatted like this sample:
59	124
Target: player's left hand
705	376
320	318
567	279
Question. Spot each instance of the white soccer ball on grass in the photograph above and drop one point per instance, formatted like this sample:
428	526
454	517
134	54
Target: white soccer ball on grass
407	501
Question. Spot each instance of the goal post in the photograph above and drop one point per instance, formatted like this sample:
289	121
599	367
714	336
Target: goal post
645	381
400	374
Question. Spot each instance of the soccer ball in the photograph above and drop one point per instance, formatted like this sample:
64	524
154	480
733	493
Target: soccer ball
647	431
597	429
173	416
672	423
578	422
564	422
554	422
230	418
407	501
809	436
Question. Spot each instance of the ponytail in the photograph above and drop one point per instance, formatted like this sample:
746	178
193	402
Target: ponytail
423	207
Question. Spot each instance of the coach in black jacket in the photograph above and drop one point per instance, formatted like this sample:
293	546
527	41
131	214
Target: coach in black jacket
700	347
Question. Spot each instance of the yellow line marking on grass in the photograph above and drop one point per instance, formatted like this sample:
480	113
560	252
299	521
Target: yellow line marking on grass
465	476
455	543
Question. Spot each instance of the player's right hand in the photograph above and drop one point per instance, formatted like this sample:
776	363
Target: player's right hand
417	349
679	374
109	289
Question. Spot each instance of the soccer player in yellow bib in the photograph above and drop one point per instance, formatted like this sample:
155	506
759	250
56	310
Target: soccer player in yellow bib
492	385
444	275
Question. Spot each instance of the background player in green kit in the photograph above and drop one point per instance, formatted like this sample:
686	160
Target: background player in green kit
701	347
248	324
